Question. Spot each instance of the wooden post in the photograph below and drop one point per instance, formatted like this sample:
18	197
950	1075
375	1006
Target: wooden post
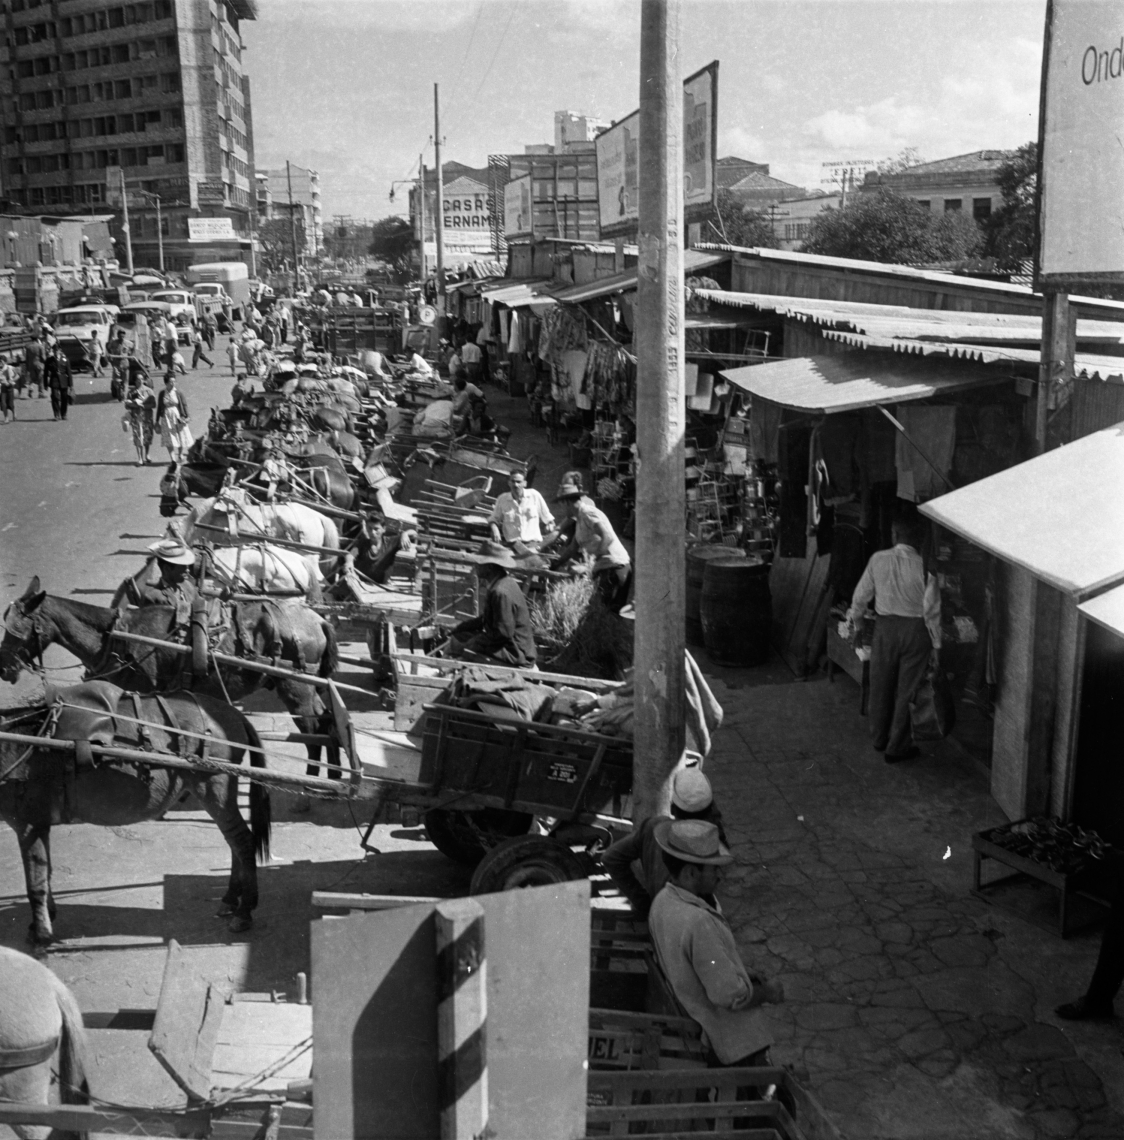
439	208
1059	343
421	215
660	491
462	1017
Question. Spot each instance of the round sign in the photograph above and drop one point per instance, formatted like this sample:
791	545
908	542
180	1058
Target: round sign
427	314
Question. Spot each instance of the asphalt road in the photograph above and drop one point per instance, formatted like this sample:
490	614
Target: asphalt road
77	512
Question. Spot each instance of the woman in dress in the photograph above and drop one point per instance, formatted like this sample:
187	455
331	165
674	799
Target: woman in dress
172	416
140	410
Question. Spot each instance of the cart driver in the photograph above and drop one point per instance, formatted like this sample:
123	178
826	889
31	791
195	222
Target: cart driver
501	634
174	587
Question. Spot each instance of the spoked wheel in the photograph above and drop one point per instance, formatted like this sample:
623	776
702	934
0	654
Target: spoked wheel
526	861
467	836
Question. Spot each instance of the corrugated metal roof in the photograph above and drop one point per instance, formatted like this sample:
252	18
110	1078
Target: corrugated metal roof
1059	515
848	381
693	261
516	294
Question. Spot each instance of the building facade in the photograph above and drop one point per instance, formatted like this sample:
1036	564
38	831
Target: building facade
151	95
301	187
964	182
466	211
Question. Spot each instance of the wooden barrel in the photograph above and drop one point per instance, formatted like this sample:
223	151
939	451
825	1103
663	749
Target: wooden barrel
736	609
697	559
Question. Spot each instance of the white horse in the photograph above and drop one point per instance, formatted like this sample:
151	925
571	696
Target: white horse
269	568
223	520
40	1025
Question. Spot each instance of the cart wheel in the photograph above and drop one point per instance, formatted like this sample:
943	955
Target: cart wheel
526	861
467	836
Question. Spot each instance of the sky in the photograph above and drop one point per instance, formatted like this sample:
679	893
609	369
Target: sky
346	86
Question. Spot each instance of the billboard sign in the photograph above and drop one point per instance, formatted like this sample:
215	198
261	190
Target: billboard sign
618	158
1081	162
210	229
517	213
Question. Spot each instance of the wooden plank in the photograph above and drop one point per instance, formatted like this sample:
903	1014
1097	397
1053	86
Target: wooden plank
83	1118
188	1014
449	665
351	901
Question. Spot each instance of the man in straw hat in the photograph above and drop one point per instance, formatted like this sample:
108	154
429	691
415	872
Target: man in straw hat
696	950
502	632
174	587
691	798
594	535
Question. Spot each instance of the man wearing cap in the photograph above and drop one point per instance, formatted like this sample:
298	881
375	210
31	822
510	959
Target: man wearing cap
696	950
691	798
175	587
502	632
594	535
521	514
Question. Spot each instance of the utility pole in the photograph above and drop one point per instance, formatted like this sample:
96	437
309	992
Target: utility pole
293	229
660	417
421	214
125	223
159	232
439	212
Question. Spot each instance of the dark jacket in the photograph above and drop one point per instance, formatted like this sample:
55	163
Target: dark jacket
56	371
503	630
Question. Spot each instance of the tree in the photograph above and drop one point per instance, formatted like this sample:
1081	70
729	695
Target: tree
276	238
393	241
1012	232
882	225
737	224
905	158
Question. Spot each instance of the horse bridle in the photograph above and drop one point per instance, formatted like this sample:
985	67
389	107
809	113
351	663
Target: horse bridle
23	627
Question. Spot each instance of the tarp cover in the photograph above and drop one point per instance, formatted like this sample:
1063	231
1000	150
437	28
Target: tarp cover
1059	515
847	381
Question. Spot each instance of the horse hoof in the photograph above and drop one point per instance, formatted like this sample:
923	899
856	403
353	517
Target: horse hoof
40	939
239	924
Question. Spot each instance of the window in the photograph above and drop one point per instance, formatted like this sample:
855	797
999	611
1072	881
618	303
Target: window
66	27
34	164
129	156
924	203
116	17
21	36
170	81
27	101
174	117
163	9
25	68
952	205
10	135
981	209
37	196
124	124
122	89
43	65
175	152
120	53
44	99
15	166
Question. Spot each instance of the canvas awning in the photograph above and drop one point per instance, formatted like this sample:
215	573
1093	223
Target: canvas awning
1059	515
515	294
693	261
848	381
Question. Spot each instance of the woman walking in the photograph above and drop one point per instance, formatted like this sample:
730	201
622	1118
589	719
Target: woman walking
140	409
172	416
9	379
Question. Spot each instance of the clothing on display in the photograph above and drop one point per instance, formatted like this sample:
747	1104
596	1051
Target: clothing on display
933	430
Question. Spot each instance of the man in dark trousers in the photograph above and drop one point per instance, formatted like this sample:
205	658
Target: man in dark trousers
60	380
1096	1003
502	632
907	632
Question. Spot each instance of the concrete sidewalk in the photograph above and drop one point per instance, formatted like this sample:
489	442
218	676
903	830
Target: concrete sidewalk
914	1009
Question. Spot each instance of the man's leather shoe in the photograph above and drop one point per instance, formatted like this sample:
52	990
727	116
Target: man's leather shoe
1084	1010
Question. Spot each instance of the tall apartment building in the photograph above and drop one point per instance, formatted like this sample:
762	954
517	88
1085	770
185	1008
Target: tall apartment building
305	186
154	92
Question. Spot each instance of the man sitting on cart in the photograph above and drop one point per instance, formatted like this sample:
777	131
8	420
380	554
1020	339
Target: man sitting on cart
174	587
501	634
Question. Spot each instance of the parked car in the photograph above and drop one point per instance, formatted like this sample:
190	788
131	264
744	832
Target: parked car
154	311
180	301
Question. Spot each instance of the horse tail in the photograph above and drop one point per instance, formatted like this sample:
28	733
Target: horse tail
330	658
74	1087
261	812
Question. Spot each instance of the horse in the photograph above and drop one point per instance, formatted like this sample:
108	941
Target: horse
40	1028
292	521
287	632
40	788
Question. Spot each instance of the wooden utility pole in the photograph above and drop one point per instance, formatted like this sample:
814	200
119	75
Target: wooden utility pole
439	210
293	230
421	215
125	224
660	490
1059	343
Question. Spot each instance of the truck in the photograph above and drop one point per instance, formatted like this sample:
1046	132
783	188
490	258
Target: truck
233	276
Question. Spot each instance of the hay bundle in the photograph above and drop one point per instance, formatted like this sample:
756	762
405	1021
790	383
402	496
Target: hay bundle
579	633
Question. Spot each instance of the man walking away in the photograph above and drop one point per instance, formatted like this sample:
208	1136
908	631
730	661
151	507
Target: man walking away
93	351
907	631
60	381
199	354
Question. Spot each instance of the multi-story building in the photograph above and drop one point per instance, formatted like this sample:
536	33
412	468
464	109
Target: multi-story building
467	219
964	182
304	187
151	94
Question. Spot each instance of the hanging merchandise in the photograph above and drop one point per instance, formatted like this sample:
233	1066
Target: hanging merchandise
515	336
561	332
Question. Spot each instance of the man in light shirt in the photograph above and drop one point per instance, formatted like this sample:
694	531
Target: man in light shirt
471	358
521	514
907	631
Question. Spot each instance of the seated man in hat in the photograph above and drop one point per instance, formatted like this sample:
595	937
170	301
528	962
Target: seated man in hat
174	587
691	798
502	632
696	950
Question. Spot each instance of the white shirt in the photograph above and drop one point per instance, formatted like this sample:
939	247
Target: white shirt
525	520
896	581
419	364
470	354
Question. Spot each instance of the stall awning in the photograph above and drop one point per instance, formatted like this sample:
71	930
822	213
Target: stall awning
848	381
516	294
694	260
1059	515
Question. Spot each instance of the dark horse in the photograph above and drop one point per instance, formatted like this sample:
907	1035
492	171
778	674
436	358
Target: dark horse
38	787
287	633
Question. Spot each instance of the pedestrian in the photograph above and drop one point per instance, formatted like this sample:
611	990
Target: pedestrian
210	328
199	354
267	334
34	358
140	414
471	357
9	378
173	417
1095	1004
117	353
594	536
94	352
907	634
60	381
176	363
696	951
502	633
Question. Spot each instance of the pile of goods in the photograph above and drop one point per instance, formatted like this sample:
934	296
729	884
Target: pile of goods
1063	847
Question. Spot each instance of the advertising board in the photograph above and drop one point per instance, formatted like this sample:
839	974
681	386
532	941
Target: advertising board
517	213
210	229
1081	162
618	158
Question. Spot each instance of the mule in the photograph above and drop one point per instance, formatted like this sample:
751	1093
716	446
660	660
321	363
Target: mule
37	790
40	1029
286	633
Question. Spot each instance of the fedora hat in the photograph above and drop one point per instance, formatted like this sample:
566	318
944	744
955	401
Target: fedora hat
693	841
495	554
171	550
568	489
690	790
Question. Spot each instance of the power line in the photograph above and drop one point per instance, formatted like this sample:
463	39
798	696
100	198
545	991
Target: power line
471	38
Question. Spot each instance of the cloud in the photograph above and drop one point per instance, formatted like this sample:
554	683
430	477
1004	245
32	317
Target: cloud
386	15
742	143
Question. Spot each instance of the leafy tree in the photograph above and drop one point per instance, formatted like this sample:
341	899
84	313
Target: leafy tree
882	225
905	158
393	241
1012	233
276	238
737	224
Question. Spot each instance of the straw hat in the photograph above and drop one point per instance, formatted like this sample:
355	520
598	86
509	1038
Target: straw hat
690	790
693	841
495	554
174	551
568	489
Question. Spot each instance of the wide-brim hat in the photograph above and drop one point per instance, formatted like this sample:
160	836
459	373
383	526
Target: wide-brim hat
568	490
693	841
495	554
691	790
170	550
